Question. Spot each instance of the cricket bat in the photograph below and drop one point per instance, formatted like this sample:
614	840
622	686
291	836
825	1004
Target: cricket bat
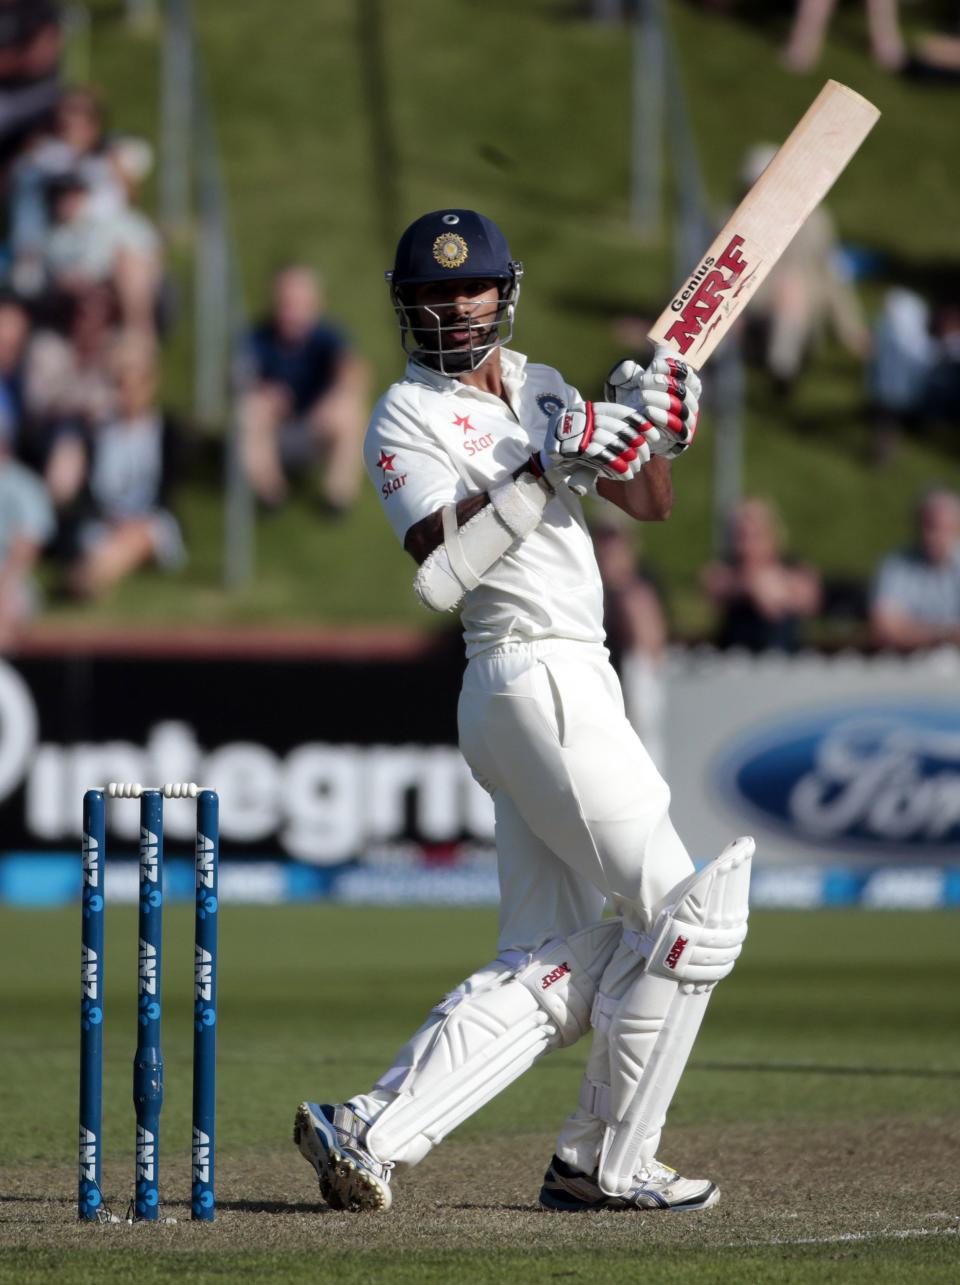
764	223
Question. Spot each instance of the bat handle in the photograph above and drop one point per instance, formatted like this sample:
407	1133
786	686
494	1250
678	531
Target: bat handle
580	481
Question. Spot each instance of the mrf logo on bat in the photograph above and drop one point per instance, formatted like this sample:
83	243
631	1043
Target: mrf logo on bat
715	282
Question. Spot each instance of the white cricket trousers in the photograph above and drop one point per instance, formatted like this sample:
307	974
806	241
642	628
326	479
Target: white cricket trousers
581	810
581	818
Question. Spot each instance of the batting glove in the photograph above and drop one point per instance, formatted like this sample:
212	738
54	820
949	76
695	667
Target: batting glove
666	394
609	439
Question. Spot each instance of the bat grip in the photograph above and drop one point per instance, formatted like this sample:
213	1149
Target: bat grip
580	481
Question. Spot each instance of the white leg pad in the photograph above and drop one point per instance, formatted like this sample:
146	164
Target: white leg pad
651	1024
485	1034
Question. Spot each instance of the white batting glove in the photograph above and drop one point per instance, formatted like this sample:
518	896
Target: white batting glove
666	394
623	384
608	439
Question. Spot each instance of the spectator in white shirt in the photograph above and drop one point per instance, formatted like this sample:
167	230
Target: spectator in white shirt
916	592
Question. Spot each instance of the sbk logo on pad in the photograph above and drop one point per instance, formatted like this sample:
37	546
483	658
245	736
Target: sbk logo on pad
676	950
561	970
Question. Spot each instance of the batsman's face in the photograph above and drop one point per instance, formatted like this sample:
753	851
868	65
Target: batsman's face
466	310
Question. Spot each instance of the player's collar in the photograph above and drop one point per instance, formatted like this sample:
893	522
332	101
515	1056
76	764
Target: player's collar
512	367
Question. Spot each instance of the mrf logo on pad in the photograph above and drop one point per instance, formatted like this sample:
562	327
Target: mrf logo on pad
714	281
675	951
554	975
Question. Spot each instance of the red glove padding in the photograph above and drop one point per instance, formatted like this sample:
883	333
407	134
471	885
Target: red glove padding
667	395
611	440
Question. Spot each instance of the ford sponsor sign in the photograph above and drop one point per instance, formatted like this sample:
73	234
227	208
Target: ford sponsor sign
881	779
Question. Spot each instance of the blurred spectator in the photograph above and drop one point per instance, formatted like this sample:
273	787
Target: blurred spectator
636	630
302	396
761	594
122	483
898	374
66	386
807	288
812	17
14	335
29	71
85	249
26	524
913	377
77	145
916	593
944	391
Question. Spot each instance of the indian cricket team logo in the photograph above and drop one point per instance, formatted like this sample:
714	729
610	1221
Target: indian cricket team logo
450	250
549	403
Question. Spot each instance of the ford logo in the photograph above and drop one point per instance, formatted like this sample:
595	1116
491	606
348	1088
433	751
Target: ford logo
870	776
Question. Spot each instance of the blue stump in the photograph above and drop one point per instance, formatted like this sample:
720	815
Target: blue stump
148	1060
202	1202
90	1201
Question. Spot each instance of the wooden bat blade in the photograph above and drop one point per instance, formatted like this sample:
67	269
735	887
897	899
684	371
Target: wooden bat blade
765	222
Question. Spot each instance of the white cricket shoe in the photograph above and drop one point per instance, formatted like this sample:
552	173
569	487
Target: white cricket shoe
330	1137
658	1187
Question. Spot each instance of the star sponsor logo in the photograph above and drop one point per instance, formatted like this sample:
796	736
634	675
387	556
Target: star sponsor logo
473	445
392	479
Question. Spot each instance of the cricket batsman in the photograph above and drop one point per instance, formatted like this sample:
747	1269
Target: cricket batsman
481	459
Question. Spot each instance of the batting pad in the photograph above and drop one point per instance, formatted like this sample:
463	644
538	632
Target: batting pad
485	1034
652	1025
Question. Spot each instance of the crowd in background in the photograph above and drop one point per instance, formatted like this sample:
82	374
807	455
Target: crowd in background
933	54
90	460
87	456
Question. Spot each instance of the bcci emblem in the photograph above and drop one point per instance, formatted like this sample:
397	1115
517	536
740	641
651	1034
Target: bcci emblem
549	403
450	250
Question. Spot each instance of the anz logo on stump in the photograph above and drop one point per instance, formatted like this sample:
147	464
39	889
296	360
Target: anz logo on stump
884	779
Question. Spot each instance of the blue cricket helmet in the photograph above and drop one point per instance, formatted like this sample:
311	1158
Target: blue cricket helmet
450	245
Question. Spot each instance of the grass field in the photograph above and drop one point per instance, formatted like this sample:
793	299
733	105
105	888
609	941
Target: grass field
822	1098
522	110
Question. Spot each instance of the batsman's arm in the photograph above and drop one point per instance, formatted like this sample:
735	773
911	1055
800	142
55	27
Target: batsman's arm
427	535
646	498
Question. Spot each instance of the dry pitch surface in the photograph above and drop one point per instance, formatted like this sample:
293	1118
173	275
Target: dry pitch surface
798	1204
822	1097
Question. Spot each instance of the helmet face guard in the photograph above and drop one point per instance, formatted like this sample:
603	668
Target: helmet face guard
423	328
452	246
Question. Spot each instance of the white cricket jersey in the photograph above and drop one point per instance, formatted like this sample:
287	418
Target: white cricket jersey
434	441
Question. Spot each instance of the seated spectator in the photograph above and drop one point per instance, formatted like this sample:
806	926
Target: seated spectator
807	289
762	595
302	396
29	71
76	144
915	600
14	336
121	518
913	378
898	374
26	524
636	631
86	249
67	388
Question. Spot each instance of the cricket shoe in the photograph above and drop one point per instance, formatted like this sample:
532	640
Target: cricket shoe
330	1137
658	1187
